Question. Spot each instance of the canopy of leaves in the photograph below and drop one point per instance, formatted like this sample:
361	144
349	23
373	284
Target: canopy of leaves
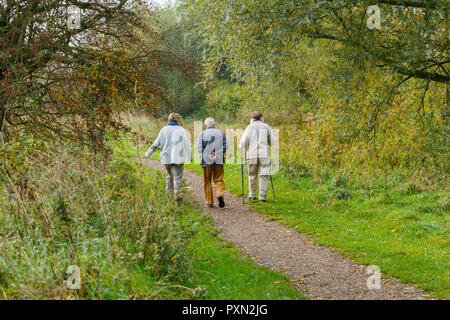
256	35
76	82
376	98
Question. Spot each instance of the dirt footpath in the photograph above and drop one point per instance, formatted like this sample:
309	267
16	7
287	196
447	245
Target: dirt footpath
317	271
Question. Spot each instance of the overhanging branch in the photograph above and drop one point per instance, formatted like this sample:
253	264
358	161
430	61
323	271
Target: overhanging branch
432	4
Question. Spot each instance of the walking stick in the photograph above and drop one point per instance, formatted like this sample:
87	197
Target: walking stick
242	176
273	190
271	181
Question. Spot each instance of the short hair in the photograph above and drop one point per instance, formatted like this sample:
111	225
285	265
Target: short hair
174	117
209	121
256	115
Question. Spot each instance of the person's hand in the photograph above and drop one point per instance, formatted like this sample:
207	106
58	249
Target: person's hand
213	156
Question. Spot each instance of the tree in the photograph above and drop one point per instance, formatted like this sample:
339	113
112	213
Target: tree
75	82
376	94
185	96
257	35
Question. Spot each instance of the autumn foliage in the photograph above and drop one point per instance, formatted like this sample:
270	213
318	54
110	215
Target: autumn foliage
76	82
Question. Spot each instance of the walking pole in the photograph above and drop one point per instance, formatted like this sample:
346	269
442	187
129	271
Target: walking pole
271	181
242	176
273	190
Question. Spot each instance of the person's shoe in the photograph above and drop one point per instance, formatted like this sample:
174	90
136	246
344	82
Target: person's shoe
262	200
221	202
251	198
210	205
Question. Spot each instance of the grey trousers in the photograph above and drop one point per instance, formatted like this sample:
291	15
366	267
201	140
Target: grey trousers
174	177
261	168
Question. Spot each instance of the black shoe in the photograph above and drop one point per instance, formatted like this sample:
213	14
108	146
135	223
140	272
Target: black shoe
262	200
221	202
251	198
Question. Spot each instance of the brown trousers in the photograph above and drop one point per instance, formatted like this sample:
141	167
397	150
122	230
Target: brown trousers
214	172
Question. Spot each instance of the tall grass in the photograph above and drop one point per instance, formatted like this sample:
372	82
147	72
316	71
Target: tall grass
61	205
394	221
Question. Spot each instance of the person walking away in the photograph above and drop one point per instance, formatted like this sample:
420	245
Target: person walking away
175	148
212	147
257	139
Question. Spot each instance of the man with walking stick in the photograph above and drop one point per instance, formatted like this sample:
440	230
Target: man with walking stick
257	139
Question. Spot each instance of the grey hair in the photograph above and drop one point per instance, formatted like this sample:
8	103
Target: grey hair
209	121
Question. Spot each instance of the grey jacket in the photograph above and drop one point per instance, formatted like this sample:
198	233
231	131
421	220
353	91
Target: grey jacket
209	141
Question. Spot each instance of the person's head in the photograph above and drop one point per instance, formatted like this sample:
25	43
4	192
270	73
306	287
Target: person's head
175	117
256	115
209	122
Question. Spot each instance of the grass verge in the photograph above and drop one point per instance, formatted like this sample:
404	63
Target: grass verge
402	228
404	231
219	270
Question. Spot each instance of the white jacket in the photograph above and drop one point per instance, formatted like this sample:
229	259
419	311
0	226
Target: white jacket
257	139
174	144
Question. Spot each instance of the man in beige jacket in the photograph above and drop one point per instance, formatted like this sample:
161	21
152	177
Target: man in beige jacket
258	137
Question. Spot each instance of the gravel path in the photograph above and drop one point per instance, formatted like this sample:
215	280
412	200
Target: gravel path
317	271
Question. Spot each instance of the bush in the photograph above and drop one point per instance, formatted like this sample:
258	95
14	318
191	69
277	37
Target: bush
339	181
103	215
410	188
223	101
341	194
4	275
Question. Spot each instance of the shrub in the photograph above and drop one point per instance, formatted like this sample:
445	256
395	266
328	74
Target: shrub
341	194
339	180
99	213
4	275
410	188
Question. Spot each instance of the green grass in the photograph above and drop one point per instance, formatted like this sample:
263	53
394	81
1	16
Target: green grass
224	273
403	229
112	219
218	267
104	217
405	233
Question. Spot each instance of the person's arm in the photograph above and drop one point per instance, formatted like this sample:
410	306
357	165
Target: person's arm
244	140
187	146
200	144
225	145
271	136
156	144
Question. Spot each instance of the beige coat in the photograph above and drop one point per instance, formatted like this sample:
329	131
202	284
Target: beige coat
257	139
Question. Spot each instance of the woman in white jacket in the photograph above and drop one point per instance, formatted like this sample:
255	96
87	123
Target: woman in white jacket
175	147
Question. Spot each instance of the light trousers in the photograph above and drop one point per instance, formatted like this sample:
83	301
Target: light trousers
174	179
258	167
